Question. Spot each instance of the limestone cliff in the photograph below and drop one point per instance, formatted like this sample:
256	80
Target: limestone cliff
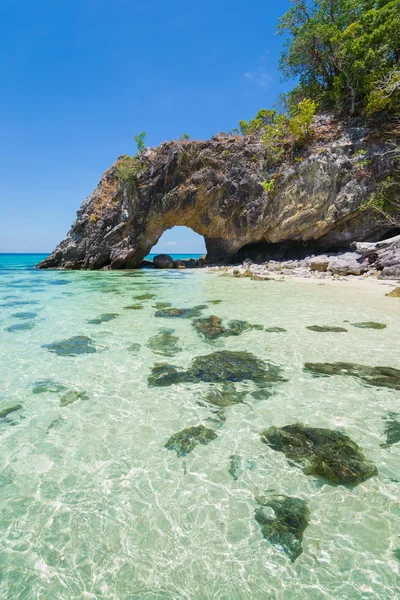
215	187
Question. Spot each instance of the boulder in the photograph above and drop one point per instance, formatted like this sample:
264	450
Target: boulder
390	272
179	264
163	261
319	264
348	263
191	263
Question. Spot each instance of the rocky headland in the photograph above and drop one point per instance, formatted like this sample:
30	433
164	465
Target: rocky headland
312	218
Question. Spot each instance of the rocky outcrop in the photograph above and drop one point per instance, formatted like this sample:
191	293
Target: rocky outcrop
215	187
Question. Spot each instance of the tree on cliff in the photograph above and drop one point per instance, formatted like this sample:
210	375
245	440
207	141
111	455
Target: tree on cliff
345	53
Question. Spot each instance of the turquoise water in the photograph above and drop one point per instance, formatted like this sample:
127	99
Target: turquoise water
176	256
94	506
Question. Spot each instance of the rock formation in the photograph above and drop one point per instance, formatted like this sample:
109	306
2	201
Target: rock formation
215	188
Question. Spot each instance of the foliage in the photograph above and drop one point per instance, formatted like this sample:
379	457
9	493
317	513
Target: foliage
139	139
262	119
385	202
360	159
128	169
92	218
184	137
269	186
226	153
345	53
301	118
385	93
282	132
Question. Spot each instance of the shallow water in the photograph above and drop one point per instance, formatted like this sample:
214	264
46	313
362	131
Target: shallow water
94	506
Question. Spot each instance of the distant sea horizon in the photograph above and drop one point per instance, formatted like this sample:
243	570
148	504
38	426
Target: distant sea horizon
32	258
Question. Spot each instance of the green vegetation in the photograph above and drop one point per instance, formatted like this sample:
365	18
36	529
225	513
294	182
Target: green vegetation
282	133
269	186
129	167
346	53
385	202
139	139
184	137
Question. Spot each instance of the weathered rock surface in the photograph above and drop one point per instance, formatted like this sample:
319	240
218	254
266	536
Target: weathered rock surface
215	187
163	261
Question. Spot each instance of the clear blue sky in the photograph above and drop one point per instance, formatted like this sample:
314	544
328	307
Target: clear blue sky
80	77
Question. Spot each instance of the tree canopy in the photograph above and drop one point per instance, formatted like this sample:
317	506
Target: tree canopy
345	53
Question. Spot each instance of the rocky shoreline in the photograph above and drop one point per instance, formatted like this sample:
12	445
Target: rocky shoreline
314	202
379	260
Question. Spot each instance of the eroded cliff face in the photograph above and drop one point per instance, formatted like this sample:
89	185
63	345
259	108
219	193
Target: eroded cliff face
215	187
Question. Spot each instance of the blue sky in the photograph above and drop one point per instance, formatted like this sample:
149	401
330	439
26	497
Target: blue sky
80	78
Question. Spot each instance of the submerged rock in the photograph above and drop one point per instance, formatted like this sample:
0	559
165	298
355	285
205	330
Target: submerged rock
162	305
24	315
47	385
275	330
72	396
104	318
378	376
182	313
8	411
324	452
235	466
134	307
327	328
286	528
73	346
392	429
134	348
20	327
225	395
18	303
211	327
214	301
165	343
370	325
218	367
56	424
394	293
144	297
186	440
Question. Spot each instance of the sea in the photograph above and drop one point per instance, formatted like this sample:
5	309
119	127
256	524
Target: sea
129	469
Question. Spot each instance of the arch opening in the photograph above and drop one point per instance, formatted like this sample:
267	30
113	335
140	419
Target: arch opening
179	241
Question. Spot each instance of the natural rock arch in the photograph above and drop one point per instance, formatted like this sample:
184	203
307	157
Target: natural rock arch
216	188
180	240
